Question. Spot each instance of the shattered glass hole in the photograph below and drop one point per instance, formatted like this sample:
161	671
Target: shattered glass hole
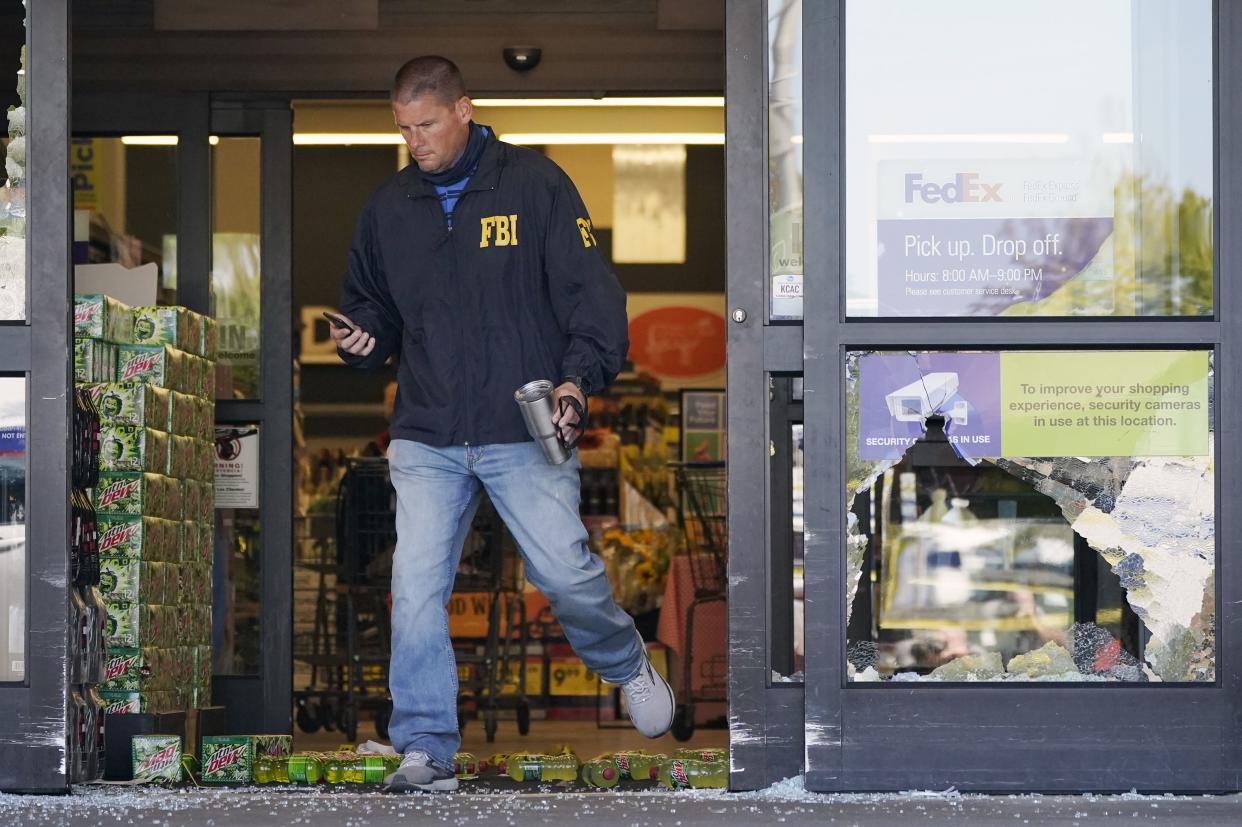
967	568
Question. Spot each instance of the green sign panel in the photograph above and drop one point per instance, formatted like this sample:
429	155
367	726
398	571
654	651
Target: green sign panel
1103	403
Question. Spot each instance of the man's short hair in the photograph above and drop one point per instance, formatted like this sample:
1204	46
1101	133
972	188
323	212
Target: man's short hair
428	75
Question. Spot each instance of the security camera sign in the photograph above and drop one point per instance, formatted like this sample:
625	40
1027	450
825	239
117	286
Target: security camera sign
898	392
1036	403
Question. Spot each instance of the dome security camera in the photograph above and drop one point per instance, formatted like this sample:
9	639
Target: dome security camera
522	58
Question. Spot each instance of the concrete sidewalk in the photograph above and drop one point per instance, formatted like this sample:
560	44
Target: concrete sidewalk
786	803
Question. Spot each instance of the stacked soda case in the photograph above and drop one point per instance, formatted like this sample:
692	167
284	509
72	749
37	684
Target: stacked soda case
87	611
149	372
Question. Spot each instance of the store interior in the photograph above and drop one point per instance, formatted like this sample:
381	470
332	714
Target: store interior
651	171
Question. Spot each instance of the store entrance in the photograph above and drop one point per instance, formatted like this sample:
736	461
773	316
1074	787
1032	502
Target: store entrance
653	499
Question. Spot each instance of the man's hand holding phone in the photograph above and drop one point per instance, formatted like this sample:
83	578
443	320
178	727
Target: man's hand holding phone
348	336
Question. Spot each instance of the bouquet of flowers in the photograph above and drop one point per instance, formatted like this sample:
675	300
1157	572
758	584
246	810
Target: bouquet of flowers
637	562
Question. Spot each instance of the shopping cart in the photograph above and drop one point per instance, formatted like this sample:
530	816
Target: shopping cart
350	645
702	514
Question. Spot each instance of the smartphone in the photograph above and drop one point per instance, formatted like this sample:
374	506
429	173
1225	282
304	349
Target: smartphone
338	321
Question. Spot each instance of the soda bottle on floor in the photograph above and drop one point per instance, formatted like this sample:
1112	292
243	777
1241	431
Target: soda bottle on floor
498	761
710	755
602	772
466	765
679	773
357	769
645	767
627	760
296	769
531	767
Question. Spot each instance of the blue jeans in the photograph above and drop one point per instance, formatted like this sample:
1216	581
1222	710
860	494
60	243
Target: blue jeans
438	491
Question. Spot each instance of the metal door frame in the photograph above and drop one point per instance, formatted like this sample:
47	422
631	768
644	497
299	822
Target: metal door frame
34	713
259	703
1054	738
765	718
263	703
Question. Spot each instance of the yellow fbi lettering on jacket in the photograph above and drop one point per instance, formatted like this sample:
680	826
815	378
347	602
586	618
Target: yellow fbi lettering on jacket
498	231
584	229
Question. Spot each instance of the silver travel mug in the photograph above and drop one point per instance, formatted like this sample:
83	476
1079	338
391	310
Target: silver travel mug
535	401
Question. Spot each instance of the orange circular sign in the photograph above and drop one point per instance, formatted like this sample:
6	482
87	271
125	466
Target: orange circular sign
678	341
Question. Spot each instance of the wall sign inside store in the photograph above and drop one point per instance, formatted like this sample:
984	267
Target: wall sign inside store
237	467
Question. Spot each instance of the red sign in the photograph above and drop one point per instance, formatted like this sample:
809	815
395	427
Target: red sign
678	341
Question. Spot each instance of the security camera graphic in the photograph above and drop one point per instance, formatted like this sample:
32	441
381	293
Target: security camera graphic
926	396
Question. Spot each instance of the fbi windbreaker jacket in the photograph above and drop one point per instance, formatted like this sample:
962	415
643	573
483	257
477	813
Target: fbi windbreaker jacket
516	291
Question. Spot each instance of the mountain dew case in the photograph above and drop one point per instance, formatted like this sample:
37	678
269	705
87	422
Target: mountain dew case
156	364
136	538
182	457
94	361
130	403
229	759
102	317
136	703
183	411
162	325
128	578
156	758
133	494
131	625
132	448
210	348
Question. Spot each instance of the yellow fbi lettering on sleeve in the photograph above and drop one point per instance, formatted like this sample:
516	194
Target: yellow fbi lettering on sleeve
498	231
584	229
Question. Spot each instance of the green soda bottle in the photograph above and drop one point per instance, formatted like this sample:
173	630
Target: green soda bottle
299	769
626	760
602	772
366	769
498	761
466	765
334	766
532	767
348	768
678	774
644	767
711	755
265	770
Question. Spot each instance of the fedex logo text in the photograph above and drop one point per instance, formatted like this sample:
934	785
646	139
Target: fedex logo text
965	188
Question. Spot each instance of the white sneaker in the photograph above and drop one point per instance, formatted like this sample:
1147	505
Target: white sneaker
649	701
417	772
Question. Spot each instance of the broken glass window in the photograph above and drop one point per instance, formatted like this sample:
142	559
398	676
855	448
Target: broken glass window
982	566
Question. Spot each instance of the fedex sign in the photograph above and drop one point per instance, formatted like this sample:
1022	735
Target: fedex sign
965	188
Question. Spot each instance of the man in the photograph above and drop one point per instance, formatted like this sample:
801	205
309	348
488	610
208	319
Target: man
478	265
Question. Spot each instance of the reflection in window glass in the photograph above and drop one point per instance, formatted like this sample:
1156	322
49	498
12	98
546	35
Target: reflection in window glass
13	199
12	528
235	264
1063	171
1022	516
125	205
785	156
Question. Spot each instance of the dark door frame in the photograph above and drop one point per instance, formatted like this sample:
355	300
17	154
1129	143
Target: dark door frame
765	717
263	703
1054	738
34	713
260	703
